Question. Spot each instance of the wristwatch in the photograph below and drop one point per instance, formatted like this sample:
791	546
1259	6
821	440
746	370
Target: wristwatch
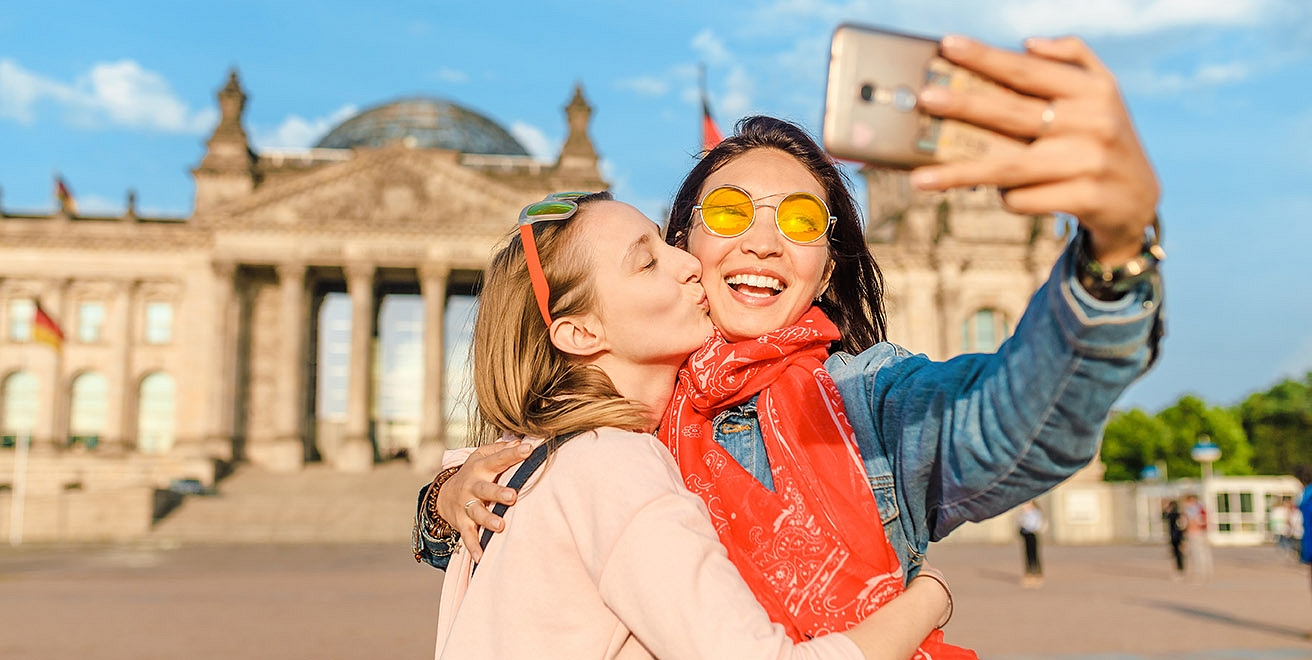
1113	283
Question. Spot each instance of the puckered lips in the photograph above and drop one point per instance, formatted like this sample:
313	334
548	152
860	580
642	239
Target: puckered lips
755	286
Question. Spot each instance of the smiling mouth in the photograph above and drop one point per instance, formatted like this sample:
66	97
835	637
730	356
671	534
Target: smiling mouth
756	286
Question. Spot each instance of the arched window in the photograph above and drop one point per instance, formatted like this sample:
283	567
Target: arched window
87	410
18	407
984	331
155	414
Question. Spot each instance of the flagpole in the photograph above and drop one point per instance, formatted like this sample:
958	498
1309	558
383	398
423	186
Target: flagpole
701	79
20	490
701	93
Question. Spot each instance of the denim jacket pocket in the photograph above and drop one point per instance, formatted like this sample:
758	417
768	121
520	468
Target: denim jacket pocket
885	489
738	431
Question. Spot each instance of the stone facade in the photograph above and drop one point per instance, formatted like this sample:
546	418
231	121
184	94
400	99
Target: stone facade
947	257
222	306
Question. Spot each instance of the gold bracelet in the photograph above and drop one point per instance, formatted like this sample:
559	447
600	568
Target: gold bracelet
942	582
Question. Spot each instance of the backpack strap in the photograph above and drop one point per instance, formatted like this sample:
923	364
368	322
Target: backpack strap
521	476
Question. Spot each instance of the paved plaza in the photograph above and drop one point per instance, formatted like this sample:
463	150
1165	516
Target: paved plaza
373	601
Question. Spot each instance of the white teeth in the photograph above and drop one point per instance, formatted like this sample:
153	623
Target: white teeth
758	281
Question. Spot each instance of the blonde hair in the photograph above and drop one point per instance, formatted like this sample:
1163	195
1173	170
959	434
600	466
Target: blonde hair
523	384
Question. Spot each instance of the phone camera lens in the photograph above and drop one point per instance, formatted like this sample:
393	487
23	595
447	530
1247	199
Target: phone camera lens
904	99
867	92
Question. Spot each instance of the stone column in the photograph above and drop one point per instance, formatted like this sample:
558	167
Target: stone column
286	453
432	427
122	414
357	450
948	300
218	443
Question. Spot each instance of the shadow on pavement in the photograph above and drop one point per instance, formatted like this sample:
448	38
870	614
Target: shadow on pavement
999	576
1222	617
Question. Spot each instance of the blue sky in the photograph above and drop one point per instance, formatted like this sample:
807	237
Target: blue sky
121	95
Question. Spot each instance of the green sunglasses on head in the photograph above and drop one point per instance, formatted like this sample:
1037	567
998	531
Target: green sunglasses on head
556	206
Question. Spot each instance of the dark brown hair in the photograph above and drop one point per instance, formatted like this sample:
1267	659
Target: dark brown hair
854	299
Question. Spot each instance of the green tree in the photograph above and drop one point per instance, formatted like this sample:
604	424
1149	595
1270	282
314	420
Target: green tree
1191	418
1279	424
1132	441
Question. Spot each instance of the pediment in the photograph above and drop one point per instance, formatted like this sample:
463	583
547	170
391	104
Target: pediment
393	189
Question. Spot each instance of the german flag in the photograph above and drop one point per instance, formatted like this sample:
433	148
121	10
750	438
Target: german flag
64	197
45	330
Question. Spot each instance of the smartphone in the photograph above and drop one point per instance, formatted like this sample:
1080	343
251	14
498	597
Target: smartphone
870	101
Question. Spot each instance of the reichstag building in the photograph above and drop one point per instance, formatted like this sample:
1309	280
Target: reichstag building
201	341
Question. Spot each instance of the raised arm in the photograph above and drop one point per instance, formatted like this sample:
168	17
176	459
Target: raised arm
972	437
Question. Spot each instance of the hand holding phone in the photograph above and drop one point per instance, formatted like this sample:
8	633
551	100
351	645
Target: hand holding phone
1056	132
871	108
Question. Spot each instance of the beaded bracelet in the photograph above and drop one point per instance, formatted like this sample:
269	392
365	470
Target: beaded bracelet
437	526
429	523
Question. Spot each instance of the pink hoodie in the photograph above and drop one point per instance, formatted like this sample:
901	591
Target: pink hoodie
607	555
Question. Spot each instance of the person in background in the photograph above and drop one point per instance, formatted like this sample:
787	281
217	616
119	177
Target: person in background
1029	521
1174	523
1200	549
1304	474
1278	523
1295	529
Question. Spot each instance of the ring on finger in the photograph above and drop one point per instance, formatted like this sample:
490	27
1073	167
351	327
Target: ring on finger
1046	119
468	503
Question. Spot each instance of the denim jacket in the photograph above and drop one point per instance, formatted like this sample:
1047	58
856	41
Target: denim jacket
967	439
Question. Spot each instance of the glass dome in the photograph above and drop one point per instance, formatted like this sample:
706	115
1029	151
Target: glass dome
433	123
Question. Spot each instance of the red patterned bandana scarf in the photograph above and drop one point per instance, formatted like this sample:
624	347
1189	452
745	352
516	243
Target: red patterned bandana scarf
812	550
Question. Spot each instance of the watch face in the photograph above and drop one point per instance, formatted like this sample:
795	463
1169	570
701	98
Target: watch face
1108	284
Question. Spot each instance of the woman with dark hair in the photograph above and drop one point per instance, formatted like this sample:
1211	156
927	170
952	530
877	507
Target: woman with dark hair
854	299
800	426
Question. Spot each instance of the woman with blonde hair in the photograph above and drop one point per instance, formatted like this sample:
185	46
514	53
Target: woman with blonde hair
584	320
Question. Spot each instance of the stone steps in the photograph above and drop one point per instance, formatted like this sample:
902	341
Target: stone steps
316	505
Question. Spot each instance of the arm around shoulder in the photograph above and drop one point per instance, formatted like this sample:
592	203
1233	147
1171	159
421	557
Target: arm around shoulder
658	563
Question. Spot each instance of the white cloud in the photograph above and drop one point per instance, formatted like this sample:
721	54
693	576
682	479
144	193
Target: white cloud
651	86
296	132
97	205
20	90
710	47
118	93
541	147
1011	19
1159	83
447	74
738	87
1128	17
654	208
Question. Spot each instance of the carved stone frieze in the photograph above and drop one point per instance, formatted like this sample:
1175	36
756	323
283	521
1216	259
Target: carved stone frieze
53	233
389	190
